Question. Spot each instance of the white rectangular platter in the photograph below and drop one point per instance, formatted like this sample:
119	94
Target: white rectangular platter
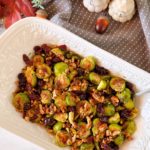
21	38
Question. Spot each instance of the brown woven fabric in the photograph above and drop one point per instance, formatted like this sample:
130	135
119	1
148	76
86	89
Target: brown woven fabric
128	41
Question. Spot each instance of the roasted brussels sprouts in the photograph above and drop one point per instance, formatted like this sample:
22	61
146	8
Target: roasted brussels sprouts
88	63
115	127
130	128
119	140
129	104
102	85
115	118
70	100
57	51
57	127
62	117
20	100
46	97
43	71
60	68
87	146
30	76
109	110
117	84
38	60
94	78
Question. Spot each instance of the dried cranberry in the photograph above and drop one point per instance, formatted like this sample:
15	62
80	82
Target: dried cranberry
80	71
27	60
125	114
71	108
49	122
82	95
34	117
56	59
40	83
46	49
104	119
63	47
28	87
21	77
37	50
34	96
100	110
101	70
90	139
49	62
113	146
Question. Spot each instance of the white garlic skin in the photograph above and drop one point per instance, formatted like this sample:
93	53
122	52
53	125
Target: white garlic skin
122	10
96	5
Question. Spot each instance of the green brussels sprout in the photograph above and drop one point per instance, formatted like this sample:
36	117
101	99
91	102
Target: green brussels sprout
115	118
19	100
57	127
46	97
115	127
134	113
124	95
62	81
43	71
84	108
71	117
72	74
82	130
38	60
30	76
97	146
70	100
60	68
119	140
88	63
87	146
62	138
117	84
94	78
62	117
129	104
119	108
106	77
60	102
57	51
109	110
130	127
96	124
102	85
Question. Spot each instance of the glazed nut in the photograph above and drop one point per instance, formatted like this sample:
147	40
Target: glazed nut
102	24
115	100
41	14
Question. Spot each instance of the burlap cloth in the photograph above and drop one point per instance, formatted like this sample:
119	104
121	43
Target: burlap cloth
130	41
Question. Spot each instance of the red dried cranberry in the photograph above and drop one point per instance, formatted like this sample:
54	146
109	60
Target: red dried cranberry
27	60
104	119
80	71
63	47
46	49
125	114
71	108
56	59
37	50
49	62
34	96
49	122
100	110
101	70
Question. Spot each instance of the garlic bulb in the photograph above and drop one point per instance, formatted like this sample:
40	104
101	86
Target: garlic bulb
122	10
96	5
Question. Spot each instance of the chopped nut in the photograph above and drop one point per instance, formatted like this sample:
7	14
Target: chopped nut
115	100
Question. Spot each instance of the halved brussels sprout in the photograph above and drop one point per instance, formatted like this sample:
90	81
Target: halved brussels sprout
102	85
72	74
87	146
97	146
57	51
46	97
94	78
30	76
84	108
115	118
129	104
60	102
134	113
62	117
38	60
62	138
88	63
124	95
43	71
119	140
109	110
82	130
117	84
60	68
115	127
62	81
70	100
130	127
96	124
19	100
57	127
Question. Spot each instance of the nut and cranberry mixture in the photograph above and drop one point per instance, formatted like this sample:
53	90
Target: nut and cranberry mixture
82	104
